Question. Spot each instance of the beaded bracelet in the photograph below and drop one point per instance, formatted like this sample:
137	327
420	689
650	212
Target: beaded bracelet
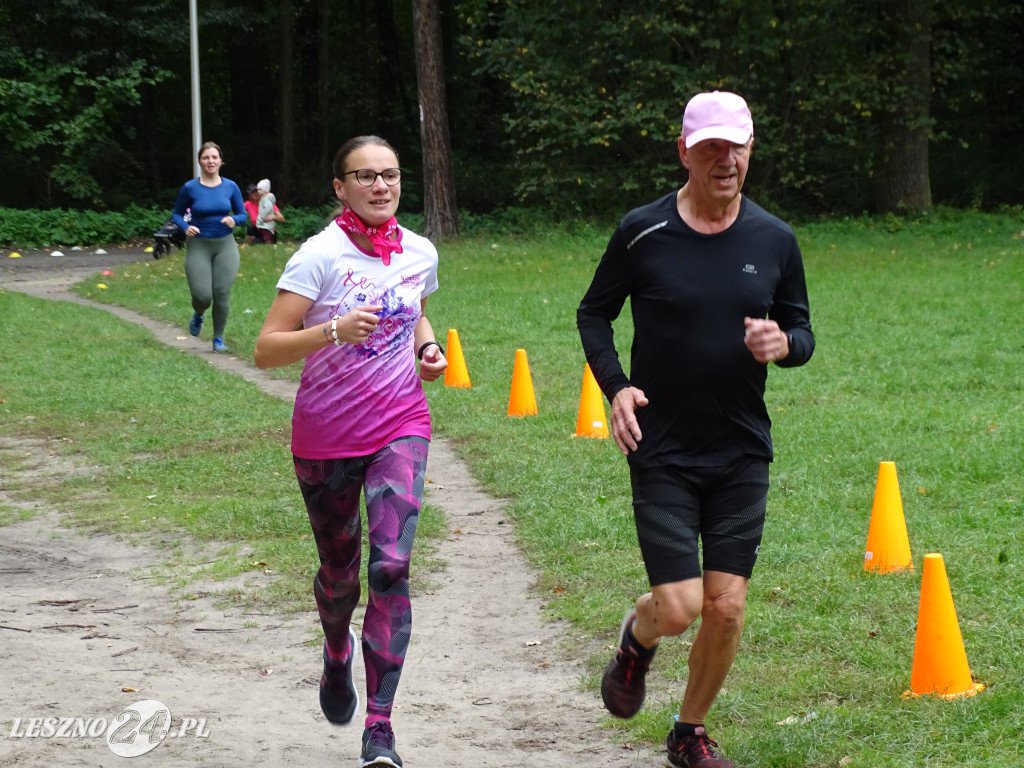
334	331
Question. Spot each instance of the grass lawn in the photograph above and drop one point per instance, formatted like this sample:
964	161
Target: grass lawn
919	362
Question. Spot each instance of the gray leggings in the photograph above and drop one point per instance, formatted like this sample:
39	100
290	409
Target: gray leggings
211	265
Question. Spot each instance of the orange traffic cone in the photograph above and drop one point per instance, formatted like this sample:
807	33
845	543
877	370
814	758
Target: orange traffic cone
455	375
940	661
888	548
521	401
591	421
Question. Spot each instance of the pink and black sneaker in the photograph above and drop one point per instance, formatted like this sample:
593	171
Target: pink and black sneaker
339	699
379	747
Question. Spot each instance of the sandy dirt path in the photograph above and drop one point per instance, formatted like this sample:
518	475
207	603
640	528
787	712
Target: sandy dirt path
83	633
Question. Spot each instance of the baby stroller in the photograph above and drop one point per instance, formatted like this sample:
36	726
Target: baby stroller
167	236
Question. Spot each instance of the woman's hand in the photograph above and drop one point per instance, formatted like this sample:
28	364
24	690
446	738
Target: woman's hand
433	363
192	231
356	325
228	220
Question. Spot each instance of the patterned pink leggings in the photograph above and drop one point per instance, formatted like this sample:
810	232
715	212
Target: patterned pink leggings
392	483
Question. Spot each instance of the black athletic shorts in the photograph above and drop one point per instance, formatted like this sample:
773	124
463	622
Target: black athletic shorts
723	506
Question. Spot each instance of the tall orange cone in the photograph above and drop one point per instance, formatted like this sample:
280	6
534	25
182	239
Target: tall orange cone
455	375
591	421
521	400
940	661
888	548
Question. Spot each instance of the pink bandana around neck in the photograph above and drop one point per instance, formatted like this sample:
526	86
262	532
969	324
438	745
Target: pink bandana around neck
379	237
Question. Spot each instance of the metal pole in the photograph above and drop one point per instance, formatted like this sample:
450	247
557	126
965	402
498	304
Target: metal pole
197	117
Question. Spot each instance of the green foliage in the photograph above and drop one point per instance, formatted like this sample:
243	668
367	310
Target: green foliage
974	81
571	108
603	113
63	109
35	229
596	92
589	112
301	223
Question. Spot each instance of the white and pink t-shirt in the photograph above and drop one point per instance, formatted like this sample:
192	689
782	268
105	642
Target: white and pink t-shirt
355	399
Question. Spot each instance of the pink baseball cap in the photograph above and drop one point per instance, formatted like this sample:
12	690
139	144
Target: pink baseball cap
717	115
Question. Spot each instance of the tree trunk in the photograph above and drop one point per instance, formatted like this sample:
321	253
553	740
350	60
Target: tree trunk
904	181
286	96
323	84
440	212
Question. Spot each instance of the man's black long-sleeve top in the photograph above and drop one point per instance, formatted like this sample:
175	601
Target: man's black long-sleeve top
689	293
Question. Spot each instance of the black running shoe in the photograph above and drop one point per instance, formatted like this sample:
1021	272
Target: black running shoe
623	687
695	751
338	696
379	746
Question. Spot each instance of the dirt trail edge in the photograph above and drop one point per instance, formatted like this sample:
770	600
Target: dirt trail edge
488	682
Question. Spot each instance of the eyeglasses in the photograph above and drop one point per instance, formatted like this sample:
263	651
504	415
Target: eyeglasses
368	178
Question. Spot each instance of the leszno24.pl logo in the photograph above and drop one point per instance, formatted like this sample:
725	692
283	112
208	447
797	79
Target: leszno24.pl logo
136	730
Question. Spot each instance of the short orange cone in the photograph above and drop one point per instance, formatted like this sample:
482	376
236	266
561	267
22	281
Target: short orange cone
591	421
888	548
940	661
521	400
455	375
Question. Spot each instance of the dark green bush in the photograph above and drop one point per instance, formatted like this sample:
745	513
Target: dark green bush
66	227
41	229
300	223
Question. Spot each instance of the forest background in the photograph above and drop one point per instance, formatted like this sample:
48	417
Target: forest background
566	109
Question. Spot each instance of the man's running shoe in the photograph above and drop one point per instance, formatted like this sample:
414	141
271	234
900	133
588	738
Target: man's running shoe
695	751
623	688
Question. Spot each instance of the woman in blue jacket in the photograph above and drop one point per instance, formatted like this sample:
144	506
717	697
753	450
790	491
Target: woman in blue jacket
207	210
